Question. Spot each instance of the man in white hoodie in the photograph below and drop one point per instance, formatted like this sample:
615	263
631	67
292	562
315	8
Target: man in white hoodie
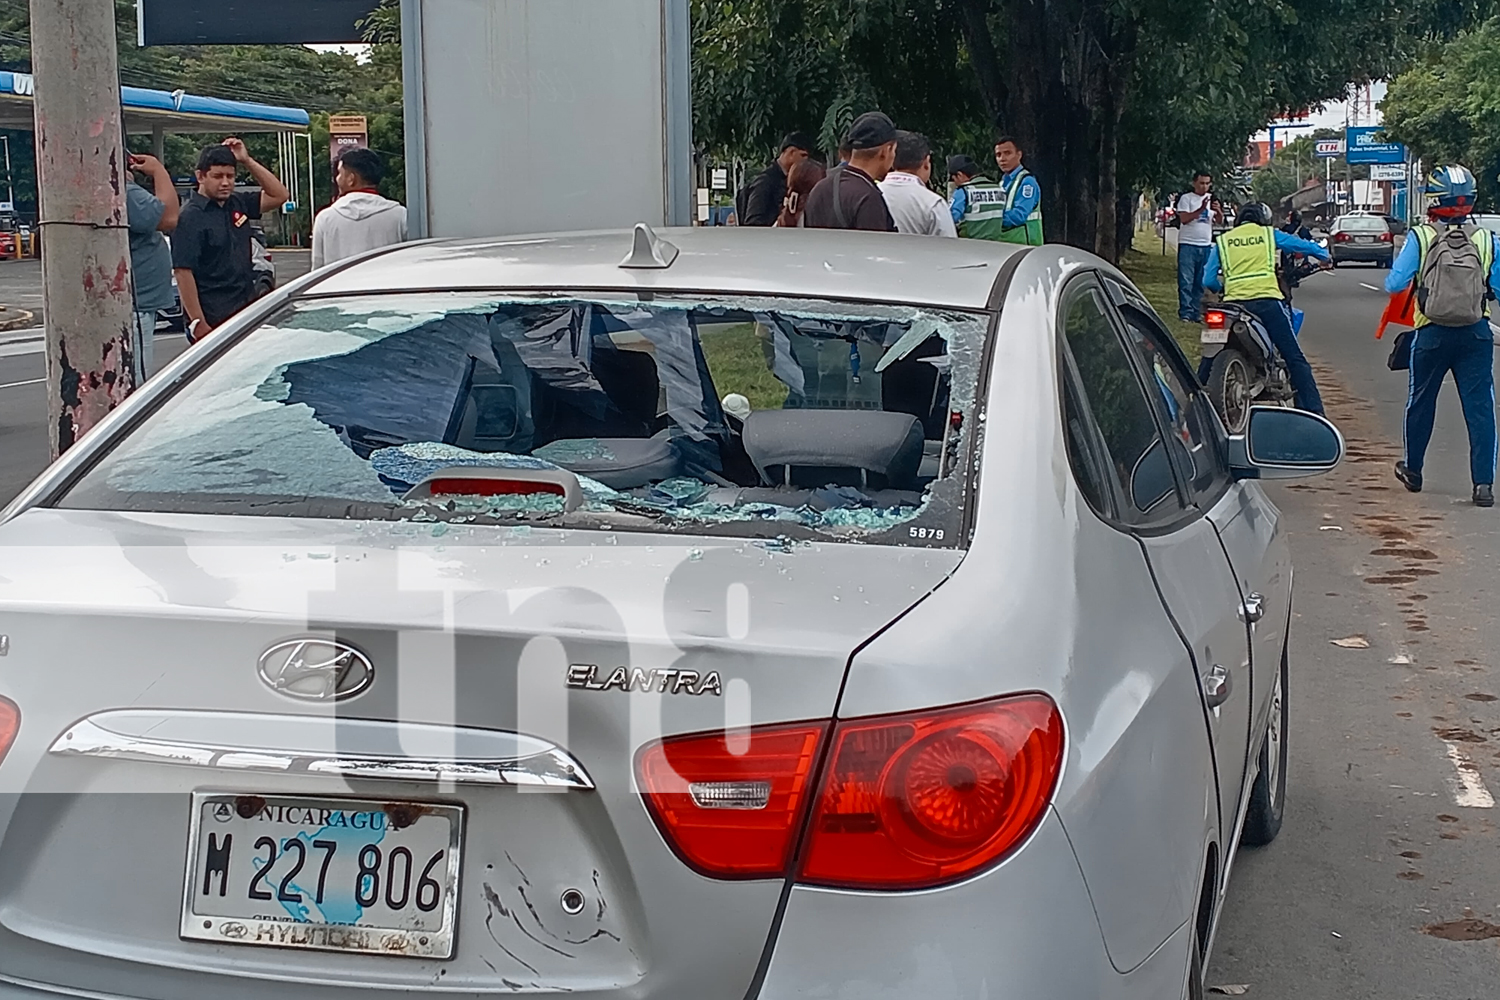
361	219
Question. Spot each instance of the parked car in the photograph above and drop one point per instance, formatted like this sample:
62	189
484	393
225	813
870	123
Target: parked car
1361	237
874	611
1486	220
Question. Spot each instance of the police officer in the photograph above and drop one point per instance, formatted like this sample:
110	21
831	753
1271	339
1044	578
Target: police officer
1466	351
1010	211
1247	257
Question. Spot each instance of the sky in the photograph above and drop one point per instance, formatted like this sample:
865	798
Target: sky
1339	113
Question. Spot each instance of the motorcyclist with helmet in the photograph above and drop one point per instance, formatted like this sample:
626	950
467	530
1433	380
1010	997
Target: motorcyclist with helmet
1247	256
1452	262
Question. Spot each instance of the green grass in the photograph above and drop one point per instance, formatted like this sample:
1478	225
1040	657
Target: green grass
737	359
1156	276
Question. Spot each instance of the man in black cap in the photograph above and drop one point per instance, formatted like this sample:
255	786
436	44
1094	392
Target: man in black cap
759	202
849	198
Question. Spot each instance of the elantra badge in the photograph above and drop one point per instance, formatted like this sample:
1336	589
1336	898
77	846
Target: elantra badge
316	669
588	677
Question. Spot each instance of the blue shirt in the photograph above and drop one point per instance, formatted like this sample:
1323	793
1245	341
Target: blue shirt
150	260
960	204
1285	243
1404	267
1026	201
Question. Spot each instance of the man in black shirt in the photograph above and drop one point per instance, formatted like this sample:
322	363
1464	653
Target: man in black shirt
211	247
848	197
760	202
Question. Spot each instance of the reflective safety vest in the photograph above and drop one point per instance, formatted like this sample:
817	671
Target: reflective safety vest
1425	234
1247	256
984	214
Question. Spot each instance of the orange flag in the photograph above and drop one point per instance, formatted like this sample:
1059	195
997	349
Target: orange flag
1401	310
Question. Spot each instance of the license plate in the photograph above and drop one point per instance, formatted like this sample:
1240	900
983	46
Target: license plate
1364	239
328	874
1214	336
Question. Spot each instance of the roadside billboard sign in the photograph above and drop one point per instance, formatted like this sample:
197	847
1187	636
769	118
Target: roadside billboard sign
1329	148
346	132
1364	146
1387	171
264	22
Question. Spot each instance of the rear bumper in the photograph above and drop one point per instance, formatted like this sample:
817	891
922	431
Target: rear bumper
1023	930
1378	253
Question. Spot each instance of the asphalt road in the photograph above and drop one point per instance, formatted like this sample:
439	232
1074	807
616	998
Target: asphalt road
23	399
1385	881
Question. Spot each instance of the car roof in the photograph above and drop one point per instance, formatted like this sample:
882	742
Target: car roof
814	263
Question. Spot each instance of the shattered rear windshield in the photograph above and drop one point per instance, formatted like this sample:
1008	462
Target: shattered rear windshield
747	417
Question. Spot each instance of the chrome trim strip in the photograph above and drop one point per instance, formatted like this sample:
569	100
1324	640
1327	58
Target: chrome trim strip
547	766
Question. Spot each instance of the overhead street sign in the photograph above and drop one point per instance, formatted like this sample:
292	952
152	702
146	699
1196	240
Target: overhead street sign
250	22
1364	147
1329	148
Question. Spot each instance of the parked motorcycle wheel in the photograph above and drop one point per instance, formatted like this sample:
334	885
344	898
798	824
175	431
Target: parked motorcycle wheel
1229	389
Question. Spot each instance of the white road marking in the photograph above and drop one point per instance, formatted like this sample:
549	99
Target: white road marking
1371	287
1467	786
12	385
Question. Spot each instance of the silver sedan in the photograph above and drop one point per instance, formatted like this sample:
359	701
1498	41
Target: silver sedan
706	614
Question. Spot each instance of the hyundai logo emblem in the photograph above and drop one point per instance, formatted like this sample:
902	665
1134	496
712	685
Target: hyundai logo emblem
316	669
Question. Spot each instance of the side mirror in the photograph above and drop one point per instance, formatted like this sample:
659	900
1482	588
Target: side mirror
1281	443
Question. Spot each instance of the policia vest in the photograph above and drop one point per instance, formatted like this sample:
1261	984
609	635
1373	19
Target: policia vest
1247	256
1425	234
985	213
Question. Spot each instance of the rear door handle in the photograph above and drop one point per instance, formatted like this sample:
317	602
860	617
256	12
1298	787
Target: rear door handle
1217	685
1252	609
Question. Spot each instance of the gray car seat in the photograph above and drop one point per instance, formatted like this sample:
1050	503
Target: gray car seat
870	449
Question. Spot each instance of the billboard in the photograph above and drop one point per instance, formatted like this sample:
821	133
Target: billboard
1329	148
579	122
1388	172
1365	147
242	22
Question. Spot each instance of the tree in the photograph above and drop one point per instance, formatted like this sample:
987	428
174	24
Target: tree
1447	106
1106	98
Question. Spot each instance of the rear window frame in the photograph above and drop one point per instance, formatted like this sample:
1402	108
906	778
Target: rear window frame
1376	224
269	308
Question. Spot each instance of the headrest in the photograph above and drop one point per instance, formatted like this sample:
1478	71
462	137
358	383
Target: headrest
889	444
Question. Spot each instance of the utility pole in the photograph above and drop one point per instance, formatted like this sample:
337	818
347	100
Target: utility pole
81	173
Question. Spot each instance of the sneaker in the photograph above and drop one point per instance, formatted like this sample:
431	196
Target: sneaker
1484	495
1411	480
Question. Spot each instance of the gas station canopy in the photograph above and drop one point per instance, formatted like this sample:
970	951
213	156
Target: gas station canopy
146	111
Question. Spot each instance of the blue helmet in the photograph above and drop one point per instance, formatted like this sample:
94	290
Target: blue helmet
1450	191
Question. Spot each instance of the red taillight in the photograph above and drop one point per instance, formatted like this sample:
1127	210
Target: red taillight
1385	237
1213	319
1341	237
913	801
460	486
730	804
10	724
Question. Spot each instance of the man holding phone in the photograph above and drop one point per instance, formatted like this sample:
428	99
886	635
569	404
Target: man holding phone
1195	235
148	214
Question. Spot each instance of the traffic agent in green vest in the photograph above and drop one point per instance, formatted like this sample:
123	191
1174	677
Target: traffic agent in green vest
1010	211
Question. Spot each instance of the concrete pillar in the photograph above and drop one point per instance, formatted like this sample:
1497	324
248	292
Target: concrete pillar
159	142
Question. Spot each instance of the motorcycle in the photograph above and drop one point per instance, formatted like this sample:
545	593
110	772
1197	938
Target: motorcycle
1241	366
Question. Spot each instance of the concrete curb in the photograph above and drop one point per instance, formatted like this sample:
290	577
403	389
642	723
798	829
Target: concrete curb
15	319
